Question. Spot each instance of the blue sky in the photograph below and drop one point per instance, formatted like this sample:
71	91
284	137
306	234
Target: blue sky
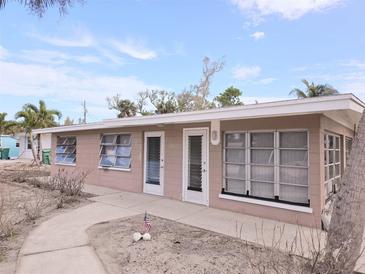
102	48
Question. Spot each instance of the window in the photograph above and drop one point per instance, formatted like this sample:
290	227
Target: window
234	162
115	151
66	150
293	166
332	163
267	165
262	165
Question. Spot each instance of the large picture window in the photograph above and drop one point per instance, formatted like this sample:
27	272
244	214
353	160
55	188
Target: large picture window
332	163
66	150
115	151
267	165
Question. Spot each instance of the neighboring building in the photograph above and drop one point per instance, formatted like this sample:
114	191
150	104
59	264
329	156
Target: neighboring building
25	145
10	142
278	160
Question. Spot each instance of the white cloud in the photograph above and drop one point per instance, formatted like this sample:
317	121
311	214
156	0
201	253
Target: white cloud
83	40
353	63
258	35
53	57
111	56
64	83
246	73
288	9
134	49
3	53
266	81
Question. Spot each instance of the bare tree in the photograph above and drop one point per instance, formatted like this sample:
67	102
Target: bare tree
202	89
186	101
346	229
142	102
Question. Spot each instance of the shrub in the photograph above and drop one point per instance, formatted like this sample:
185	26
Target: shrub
69	184
6	223
33	207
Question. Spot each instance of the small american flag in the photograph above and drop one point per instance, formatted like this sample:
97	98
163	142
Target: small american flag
146	224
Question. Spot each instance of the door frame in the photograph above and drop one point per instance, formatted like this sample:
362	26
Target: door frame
160	134
185	161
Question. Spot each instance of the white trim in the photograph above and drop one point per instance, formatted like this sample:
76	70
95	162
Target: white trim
317	105
205	190
114	168
267	203
62	164
154	189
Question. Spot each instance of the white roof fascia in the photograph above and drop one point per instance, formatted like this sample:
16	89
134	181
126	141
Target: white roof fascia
262	110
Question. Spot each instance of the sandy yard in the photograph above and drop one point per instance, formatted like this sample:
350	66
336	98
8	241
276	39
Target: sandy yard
174	248
22	207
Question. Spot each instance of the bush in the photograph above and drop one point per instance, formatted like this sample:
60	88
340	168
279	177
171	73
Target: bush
33	207
6	224
69	184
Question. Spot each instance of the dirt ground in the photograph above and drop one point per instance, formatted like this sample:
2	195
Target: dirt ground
175	248
20	203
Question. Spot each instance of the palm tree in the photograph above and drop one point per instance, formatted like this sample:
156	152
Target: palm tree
125	107
40	6
313	90
7	126
37	117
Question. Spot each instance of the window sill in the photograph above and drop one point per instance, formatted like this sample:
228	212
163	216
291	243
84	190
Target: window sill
64	164
267	203
114	168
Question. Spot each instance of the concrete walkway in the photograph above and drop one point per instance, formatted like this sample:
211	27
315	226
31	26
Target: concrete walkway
60	245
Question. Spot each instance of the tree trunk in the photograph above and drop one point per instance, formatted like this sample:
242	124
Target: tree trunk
33	150
346	229
39	147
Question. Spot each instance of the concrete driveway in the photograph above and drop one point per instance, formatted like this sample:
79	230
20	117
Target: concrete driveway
60	244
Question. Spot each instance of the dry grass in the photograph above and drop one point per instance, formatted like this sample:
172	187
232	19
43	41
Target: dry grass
24	201
180	248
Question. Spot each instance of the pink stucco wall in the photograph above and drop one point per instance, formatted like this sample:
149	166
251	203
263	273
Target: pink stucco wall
88	146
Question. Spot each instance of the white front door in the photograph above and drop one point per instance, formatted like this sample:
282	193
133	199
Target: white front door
195	165
153	179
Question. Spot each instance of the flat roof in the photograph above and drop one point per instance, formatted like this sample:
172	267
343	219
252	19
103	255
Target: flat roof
290	107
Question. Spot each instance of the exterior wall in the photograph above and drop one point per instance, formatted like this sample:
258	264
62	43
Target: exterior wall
46	140
309	122
10	142
87	158
88	145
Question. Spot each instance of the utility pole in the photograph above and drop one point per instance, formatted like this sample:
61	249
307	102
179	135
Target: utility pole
84	111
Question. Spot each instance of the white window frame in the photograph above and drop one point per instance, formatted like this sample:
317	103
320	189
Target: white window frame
74	152
113	167
327	151
276	163
246	152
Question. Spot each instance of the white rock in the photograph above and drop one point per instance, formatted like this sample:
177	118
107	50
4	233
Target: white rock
137	236
146	236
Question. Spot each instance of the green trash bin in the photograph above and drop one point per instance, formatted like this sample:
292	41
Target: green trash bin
46	156
4	153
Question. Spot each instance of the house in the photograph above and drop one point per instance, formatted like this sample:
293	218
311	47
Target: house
25	144
10	142
280	160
